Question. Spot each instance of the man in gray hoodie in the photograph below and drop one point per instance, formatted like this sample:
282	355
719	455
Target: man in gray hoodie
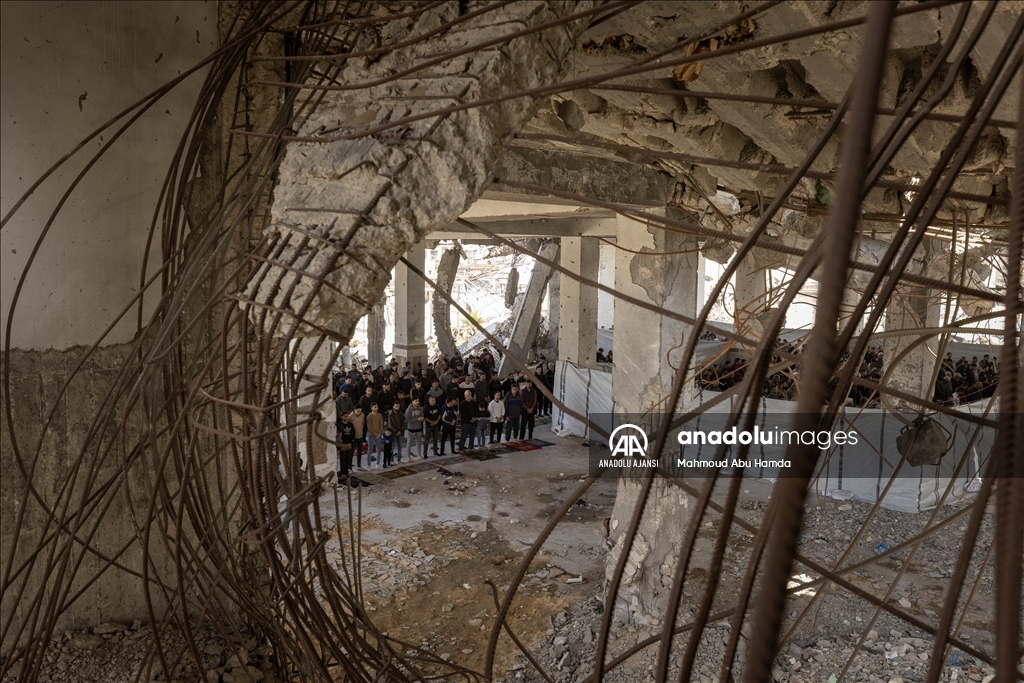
414	419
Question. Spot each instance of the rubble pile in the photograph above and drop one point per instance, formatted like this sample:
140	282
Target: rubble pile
115	653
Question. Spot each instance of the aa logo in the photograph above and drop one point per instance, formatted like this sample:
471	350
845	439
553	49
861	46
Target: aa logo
628	441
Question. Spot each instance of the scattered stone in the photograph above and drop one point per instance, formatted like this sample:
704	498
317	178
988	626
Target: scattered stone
85	641
249	674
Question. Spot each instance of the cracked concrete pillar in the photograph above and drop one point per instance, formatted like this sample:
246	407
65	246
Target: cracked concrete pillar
410	309
851	297
751	299
702	266
314	362
376	328
447	270
554	312
647	346
527	313
649	342
911	309
577	317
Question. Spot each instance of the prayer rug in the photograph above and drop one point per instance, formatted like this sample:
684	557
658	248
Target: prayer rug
395	474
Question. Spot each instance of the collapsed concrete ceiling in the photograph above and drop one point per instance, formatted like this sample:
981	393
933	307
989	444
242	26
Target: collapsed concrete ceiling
817	69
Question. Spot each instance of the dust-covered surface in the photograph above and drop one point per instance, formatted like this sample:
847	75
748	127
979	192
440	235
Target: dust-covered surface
430	544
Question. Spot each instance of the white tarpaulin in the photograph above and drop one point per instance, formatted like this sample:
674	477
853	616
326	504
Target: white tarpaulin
587	391
862	471
867	471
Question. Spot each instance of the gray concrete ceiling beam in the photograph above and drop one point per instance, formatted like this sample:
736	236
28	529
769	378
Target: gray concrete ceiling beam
590	224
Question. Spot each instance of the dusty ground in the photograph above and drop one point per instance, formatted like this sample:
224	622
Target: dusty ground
431	541
476	528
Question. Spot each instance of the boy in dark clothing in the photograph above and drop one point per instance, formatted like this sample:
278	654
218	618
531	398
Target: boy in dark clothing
481	422
388	443
346	438
405	383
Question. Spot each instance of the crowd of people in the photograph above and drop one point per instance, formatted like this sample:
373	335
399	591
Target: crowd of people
392	413
961	382
871	367
780	385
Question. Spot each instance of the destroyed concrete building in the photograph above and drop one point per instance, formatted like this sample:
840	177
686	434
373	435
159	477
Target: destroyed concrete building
787	214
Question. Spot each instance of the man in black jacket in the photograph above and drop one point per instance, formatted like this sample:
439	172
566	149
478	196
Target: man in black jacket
367	400
549	382
451	390
481	386
385	397
431	424
529	401
468	415
395	420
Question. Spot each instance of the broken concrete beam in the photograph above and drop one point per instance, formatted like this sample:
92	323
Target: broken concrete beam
527	313
598	223
612	181
447	269
577	318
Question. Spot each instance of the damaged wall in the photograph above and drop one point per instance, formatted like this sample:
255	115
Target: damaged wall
67	69
376	197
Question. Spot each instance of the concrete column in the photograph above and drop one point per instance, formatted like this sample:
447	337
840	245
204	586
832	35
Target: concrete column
751	299
702	295
577	303
376	328
916	308
410	309
643	374
319	368
646	346
851	298
554	313
527	312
